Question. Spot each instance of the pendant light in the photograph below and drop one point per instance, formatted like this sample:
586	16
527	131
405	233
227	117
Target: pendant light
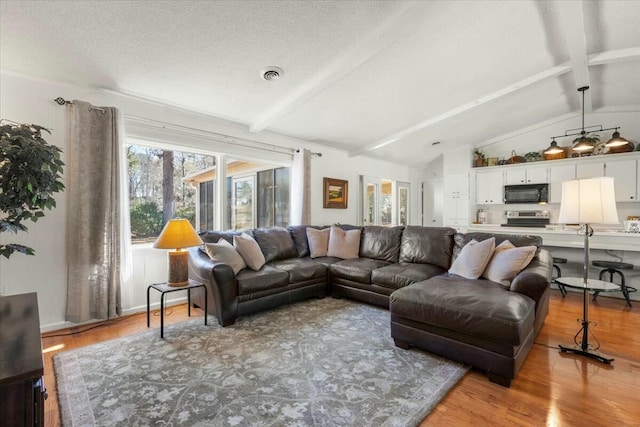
553	148
585	144
616	140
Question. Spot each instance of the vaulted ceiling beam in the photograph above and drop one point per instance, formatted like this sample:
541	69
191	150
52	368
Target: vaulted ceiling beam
397	136
401	25
612	56
571	20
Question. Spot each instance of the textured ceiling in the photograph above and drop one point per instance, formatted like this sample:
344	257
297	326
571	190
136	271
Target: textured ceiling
384	79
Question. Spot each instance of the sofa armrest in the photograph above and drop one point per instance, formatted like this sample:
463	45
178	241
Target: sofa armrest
534	280
218	277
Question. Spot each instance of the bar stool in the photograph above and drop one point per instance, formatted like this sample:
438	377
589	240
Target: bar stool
557	270
614	267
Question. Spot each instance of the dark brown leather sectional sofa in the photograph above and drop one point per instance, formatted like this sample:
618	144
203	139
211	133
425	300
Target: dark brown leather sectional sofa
478	322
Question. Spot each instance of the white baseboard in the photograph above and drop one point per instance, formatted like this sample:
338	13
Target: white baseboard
125	312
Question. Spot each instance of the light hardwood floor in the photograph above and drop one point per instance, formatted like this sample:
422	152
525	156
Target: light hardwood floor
552	389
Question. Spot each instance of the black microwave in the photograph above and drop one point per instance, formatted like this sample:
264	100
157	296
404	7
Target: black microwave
529	193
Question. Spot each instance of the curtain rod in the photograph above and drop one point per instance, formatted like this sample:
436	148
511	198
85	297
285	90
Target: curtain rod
226	139
61	101
217	136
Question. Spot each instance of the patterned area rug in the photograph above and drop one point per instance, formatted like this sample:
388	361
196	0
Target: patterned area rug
327	362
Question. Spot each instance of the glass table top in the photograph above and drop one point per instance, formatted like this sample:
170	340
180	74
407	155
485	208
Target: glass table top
592	284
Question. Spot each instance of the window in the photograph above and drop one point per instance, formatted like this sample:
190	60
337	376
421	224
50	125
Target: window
159	189
385	202
242	206
165	184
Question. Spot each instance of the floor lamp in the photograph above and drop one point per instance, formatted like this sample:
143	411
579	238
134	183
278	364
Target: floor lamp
586	202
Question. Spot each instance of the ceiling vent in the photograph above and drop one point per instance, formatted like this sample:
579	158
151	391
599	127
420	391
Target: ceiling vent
272	73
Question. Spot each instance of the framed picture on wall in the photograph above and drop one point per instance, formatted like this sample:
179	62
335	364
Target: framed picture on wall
336	193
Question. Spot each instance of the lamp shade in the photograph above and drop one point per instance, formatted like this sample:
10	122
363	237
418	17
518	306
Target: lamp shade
616	140
177	233
588	201
553	148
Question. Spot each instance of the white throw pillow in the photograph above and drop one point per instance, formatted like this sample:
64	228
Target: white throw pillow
473	258
249	250
318	241
224	251
507	261
344	244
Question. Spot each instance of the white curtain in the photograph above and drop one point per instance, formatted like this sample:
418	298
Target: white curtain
98	244
301	188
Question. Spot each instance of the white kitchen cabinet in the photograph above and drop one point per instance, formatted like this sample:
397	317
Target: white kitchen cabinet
589	170
526	175
623	172
558	175
489	188
625	178
456	200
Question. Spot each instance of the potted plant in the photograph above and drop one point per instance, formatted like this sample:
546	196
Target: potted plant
30	173
480	158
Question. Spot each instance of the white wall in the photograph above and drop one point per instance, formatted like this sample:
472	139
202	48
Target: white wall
29	100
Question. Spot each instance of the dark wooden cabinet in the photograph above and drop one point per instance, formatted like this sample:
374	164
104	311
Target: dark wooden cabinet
22	391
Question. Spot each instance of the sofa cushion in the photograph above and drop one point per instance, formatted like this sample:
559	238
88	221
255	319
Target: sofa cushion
344	244
473	258
357	269
250	281
318	242
427	245
507	261
479	308
224	251
301	269
381	243
299	236
396	276
215	236
275	243
249	251
327	260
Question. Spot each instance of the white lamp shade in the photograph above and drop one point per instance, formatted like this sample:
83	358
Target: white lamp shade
588	201
177	233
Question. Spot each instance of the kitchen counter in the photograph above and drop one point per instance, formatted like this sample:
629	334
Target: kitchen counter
570	237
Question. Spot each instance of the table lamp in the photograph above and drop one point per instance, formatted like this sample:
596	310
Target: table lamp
586	202
178	234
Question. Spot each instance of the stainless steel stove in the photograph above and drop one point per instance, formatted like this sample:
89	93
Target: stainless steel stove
527	219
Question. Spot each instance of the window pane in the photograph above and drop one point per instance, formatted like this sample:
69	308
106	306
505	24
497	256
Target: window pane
403	208
265	205
154	173
242	208
386	203
282	197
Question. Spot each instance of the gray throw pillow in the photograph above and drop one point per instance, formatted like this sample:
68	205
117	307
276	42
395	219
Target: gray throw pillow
249	250
344	244
473	258
224	251
318	241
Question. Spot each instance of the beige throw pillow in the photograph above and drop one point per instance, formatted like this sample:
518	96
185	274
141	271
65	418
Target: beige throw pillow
473	258
249	250
224	251
343	244
318	241
507	261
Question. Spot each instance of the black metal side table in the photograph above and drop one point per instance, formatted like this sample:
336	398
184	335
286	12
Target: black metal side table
583	347
164	289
